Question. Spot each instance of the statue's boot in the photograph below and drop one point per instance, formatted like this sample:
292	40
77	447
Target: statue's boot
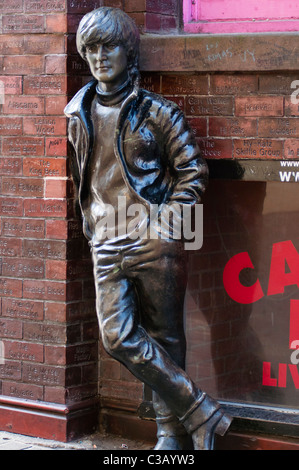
204	420
172	435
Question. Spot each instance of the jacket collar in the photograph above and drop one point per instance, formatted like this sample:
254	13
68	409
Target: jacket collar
80	104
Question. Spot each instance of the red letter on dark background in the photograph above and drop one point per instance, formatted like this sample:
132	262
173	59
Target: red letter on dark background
231	281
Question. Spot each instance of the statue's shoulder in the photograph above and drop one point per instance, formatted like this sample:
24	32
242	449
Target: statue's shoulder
158	102
82	99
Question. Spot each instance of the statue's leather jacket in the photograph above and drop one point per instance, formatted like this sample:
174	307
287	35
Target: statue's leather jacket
153	143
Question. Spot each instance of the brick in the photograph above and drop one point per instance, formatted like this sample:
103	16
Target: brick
291	108
11	207
45	208
36	44
258	148
45	85
165	7
216	148
50	290
56	188
11	44
44	43
10	329
12	85
156	22
90	330
76	311
23	351
81	392
259	106
179	100
121	390
10	247
26	105
44	249
10	288
112	3
74	375
291	148
56	147
132	6
43	6
11	6
24	391
25	187
277	84
54	105
25	65
10	166
56	23
43	375
23	268
275	128
44	333
150	82
44	290
232	127
22	309
11	126
79	269
55	311
57	229
55	394
10	370
56	270
76	6
209	105
45	167
22	24
234	84
23	146
55	355
76	65
185	84
74	290
81	353
25	228
56	64
45	126
199	126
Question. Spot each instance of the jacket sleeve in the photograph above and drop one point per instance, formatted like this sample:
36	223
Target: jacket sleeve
73	149
188	169
74	158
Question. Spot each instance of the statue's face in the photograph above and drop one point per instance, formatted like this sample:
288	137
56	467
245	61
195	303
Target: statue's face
108	64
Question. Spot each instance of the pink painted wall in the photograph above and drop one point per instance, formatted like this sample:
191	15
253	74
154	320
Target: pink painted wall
229	16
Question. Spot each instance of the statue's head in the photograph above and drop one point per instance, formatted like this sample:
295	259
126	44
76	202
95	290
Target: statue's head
110	26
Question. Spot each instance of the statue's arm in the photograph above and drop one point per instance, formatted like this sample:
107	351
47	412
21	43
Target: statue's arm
189	170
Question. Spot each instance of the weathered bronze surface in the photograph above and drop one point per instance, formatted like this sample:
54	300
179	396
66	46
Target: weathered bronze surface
133	149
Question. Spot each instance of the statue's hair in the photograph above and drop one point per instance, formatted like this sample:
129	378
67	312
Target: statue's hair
110	25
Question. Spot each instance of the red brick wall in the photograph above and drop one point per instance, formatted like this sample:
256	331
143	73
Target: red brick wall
236	115
47	318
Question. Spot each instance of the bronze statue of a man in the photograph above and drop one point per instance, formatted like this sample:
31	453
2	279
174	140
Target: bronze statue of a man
133	148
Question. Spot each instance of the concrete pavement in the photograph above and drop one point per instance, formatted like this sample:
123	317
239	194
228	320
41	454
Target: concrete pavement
97	441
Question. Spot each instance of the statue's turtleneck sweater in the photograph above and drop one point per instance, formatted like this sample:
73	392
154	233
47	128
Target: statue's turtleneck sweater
105	180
